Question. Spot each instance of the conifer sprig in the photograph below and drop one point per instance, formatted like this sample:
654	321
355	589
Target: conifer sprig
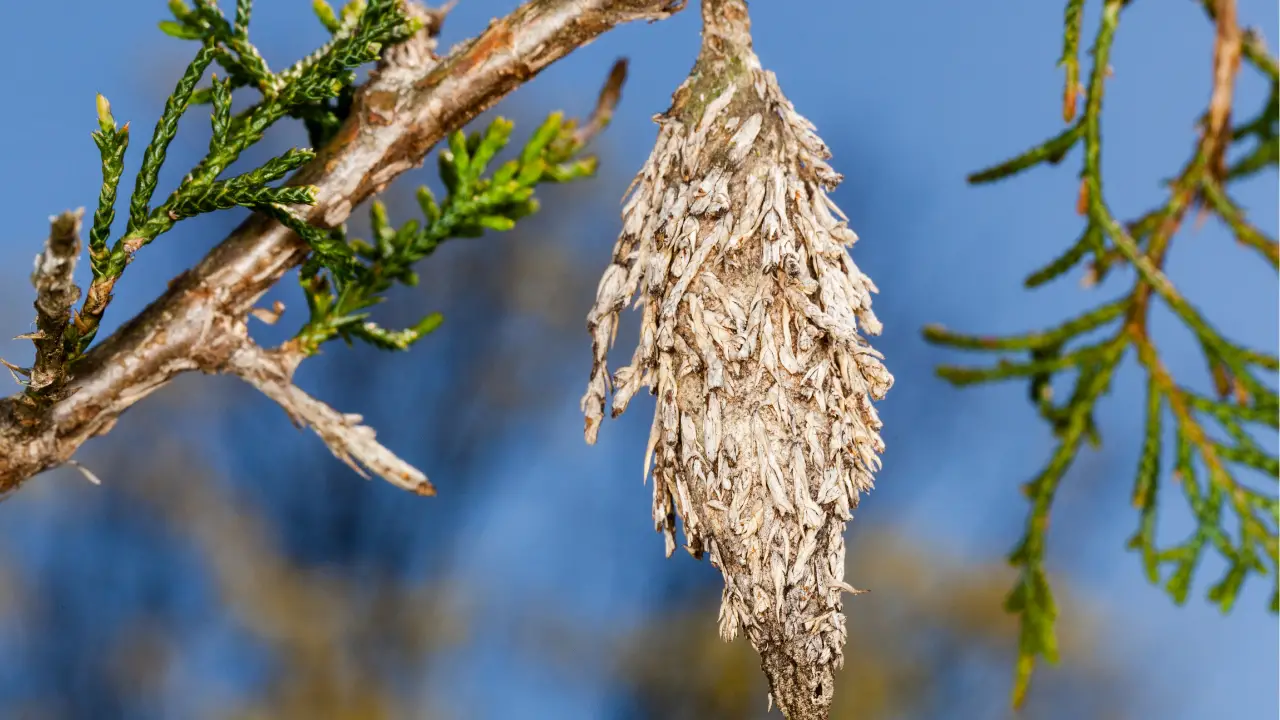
474	202
1228	480
112	141
303	90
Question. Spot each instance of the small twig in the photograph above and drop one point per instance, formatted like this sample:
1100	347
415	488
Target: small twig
86	472
1246	233
269	316
347	438
17	372
56	292
605	105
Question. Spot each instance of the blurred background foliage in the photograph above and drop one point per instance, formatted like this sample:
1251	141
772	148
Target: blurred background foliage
230	568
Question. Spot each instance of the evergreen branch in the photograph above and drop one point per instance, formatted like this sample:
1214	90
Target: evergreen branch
1032	597
1051	151
192	326
1090	239
384	339
1245	231
221	117
200	191
1251	548
1053	337
1263	126
1249	456
112	142
244	8
325	13
226	194
1146	486
305	88
241	59
328	247
1264	155
1070	59
1007	370
166	129
475	202
1259	357
358	37
1226	412
1254	532
1255	51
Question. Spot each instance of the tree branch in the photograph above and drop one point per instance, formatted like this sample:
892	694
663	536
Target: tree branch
1226	63
56	292
405	109
271	371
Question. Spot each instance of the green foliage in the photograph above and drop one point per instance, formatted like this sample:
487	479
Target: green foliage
112	142
1214	443
474	202
307	89
166	129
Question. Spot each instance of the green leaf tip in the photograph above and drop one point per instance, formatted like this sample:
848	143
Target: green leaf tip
105	120
324	12
179	30
1051	151
429	323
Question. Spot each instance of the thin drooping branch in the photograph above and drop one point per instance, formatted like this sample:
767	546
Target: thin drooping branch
606	103
410	104
271	372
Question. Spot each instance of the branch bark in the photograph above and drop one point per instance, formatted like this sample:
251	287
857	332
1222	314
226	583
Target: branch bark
56	292
411	103
1227	47
271	372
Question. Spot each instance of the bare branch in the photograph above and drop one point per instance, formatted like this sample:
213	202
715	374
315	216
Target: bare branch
350	441
405	109
610	94
56	292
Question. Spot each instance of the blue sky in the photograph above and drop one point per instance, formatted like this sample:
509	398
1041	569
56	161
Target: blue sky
911	96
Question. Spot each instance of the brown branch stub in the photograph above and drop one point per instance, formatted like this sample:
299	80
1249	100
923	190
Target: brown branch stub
271	372
56	292
400	114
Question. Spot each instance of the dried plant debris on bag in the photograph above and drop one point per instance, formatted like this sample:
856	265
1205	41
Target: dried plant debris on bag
752	339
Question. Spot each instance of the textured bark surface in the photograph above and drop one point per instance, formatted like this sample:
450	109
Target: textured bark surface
411	103
56	291
765	433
